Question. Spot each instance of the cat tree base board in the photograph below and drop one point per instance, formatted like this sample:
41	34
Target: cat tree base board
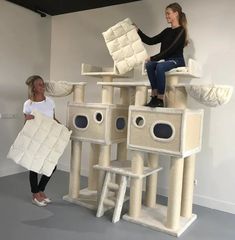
87	198
155	218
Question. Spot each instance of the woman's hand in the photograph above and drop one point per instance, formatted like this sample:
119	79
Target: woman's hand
147	59
28	117
56	118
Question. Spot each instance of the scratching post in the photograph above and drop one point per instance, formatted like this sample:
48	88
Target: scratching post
137	164
78	93
188	185
75	169
76	149
93	173
141	95
104	161
175	189
151	182
176	96
105	150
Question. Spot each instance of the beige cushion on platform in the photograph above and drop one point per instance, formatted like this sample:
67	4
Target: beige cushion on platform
125	46
40	144
59	88
210	95
193	68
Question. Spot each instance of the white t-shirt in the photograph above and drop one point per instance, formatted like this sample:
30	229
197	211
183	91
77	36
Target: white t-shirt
45	107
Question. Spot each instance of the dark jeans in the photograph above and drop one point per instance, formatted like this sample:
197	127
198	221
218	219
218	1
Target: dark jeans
156	72
35	186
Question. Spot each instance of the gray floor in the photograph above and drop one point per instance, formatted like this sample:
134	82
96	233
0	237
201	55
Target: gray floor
19	219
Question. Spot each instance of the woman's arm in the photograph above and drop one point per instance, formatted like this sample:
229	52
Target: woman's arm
151	40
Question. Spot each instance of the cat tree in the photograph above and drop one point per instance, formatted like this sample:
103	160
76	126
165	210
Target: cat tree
97	124
174	131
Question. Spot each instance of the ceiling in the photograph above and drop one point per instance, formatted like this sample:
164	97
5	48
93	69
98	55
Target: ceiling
56	7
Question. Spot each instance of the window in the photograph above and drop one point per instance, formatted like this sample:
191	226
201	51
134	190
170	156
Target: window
139	121
163	131
120	123
98	116
81	121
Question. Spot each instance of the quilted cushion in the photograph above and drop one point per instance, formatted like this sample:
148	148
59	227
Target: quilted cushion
210	95
40	144
125	46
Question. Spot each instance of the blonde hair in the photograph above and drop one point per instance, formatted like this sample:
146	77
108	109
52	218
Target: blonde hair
30	83
182	18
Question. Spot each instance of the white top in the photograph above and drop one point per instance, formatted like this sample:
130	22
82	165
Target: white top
45	107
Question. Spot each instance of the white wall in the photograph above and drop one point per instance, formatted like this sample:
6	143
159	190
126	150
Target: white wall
77	38
24	50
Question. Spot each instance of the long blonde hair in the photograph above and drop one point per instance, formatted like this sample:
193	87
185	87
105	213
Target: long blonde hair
30	83
182	18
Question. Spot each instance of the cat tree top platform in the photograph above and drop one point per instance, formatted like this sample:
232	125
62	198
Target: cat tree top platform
100	72
124	84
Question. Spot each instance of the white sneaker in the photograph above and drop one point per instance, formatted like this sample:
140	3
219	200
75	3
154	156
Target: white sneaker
38	203
47	200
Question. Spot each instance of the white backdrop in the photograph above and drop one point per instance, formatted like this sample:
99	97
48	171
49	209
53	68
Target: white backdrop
24	50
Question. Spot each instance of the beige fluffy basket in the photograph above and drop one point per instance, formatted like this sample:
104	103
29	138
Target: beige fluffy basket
210	95
59	88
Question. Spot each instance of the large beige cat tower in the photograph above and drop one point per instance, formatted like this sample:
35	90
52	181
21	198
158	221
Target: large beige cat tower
105	124
174	131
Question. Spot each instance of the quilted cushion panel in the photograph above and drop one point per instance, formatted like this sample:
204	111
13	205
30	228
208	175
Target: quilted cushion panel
40	144
125	46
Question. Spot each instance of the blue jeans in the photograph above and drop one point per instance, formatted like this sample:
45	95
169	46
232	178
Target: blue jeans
156	72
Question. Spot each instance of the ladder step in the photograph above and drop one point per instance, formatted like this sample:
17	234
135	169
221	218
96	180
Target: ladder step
109	202
117	203
113	186
119	199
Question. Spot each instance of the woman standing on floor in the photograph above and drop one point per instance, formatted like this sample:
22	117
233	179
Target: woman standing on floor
173	40
45	105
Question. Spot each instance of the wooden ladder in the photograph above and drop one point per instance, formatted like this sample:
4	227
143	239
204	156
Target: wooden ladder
117	202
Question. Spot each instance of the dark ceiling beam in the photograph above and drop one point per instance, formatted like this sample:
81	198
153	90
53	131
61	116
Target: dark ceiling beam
56	7
31	5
